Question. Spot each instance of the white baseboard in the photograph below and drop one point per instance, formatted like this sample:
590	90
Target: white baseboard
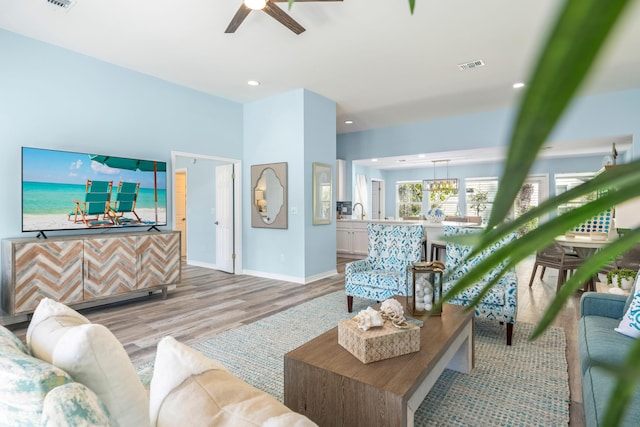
294	279
203	264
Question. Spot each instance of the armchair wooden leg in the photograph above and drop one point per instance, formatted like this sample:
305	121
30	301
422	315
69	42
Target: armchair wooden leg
509	333
349	303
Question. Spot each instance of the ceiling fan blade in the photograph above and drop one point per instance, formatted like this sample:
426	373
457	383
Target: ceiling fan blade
237	19
282	17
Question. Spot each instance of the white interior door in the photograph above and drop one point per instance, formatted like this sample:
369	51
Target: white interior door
375	199
224	218
181	210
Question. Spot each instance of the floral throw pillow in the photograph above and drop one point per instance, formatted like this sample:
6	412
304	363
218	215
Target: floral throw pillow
630	323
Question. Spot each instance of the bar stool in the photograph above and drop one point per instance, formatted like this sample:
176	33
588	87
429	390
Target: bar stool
436	247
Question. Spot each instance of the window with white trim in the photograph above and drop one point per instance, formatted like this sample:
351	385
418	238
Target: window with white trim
567	181
408	198
480	193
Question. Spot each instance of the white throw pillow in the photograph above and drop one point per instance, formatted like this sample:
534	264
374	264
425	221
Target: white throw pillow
50	321
188	388
93	356
630	323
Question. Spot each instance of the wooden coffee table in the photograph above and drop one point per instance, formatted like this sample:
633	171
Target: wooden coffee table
329	385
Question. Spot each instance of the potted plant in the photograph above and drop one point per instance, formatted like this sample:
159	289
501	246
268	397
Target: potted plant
623	278
479	200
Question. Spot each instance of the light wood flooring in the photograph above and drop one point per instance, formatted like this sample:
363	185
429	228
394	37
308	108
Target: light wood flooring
208	302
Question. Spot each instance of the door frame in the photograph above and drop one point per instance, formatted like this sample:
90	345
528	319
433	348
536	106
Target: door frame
186	179
237	198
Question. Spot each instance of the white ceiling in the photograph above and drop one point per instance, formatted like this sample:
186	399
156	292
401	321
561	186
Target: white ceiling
381	65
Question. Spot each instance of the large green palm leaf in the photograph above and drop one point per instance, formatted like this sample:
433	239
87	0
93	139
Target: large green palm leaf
577	37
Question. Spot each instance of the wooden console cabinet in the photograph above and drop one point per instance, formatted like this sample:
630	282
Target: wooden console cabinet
79	269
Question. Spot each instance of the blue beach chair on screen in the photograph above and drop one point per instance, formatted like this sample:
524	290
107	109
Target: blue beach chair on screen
125	203
93	210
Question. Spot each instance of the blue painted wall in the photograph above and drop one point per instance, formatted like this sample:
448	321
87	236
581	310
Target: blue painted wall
297	127
319	146
273	133
611	114
56	99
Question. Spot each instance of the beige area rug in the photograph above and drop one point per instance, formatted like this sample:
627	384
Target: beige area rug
523	385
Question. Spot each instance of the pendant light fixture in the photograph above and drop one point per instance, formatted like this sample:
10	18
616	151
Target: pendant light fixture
255	4
441	188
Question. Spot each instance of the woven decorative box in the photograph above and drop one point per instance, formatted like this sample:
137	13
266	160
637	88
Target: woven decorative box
378	343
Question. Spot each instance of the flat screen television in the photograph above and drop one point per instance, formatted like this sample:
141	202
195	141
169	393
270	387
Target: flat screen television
63	190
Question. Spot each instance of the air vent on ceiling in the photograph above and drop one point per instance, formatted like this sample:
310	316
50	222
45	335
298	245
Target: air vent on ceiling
472	64
64	5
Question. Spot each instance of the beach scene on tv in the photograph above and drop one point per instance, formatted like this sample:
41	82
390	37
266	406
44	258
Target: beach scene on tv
66	190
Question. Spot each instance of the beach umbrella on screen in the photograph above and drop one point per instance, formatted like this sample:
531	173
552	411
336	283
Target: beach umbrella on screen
133	165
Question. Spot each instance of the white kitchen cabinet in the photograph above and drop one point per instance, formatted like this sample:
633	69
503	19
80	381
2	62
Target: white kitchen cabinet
352	238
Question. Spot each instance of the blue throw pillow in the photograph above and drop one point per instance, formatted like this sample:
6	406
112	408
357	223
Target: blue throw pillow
630	323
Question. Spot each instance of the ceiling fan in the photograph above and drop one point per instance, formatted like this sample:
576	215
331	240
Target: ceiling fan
271	9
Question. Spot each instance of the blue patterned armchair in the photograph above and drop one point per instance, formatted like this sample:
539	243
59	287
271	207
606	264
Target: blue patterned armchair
501	302
384	272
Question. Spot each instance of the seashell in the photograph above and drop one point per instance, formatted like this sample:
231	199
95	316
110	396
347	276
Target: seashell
420	294
428	307
420	306
392	308
419	286
369	318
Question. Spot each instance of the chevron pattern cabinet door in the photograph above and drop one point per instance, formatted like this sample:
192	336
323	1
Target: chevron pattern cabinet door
159	259
110	266
52	269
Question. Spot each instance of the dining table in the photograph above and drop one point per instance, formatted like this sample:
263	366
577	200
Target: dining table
584	246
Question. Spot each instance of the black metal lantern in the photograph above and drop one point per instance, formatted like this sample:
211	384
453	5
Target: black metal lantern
425	288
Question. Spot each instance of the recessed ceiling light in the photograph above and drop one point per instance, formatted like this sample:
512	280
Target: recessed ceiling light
253	83
348	122
422	156
374	160
518	85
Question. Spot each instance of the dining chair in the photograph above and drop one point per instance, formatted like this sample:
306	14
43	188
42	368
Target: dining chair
559	257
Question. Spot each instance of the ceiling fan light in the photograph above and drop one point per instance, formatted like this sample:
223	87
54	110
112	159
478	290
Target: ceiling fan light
255	4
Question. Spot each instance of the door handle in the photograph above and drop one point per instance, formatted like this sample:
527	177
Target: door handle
216	223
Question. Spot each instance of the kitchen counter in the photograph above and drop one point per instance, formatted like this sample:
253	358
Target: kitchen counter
352	239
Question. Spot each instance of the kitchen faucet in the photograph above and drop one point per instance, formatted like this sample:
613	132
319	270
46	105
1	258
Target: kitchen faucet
361	209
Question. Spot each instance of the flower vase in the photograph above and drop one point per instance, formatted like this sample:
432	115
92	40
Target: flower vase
435	215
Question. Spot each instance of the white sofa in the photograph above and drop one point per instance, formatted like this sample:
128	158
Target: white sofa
73	372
